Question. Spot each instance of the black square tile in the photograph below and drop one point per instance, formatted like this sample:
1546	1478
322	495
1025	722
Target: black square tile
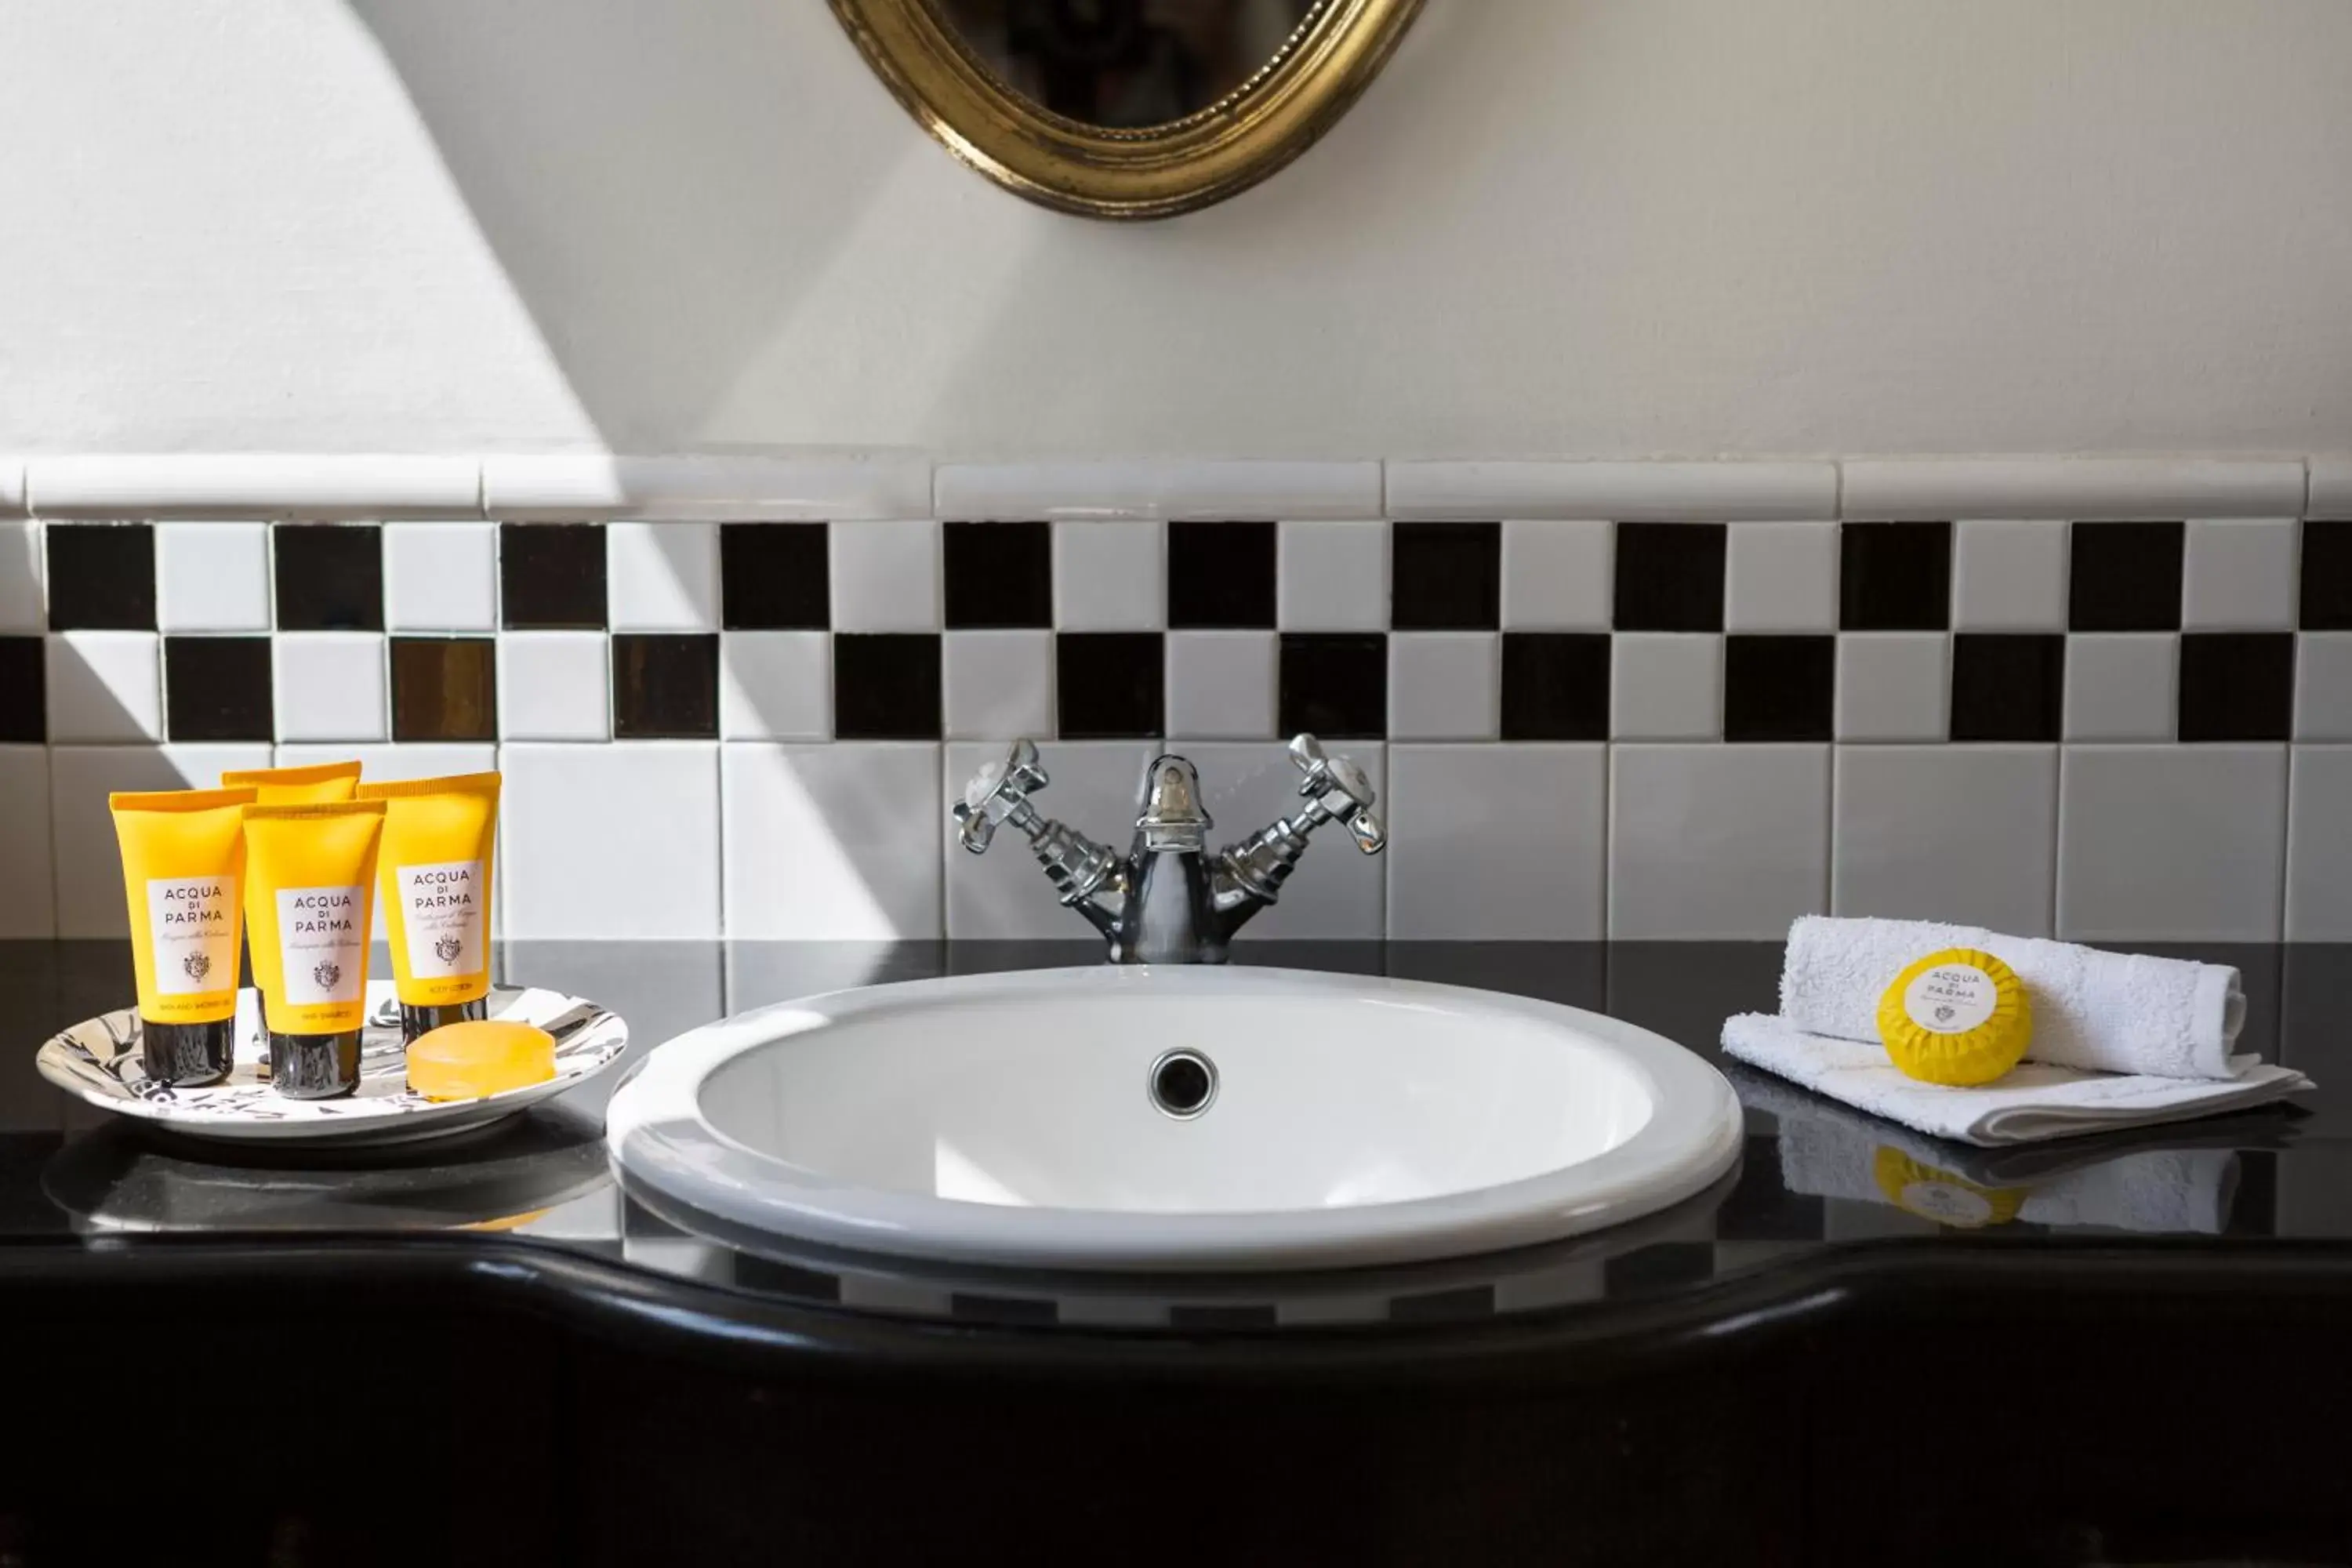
1109	685
1334	685
2125	576
218	689
552	577
1669	577
1779	688
445	688
1446	576
2236	686
101	576
776	576
24	691
1220	574
886	686
2008	686
330	576
1555	686
1894	576
2328	577
997	574
665	686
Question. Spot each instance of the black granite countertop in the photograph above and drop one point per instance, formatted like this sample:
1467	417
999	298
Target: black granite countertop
1817	1183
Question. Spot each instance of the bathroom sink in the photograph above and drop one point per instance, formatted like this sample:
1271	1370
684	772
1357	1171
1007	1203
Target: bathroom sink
1175	1118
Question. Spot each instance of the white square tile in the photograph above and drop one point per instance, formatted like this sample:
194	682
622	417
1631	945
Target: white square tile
571	872
1445	686
1780	577
380	762
662	576
441	576
1332	577
2319	846
1004	893
212	576
1221	685
2322	686
1338	891
88	864
833	842
552	686
2171	843
1496	843
1558	577
1110	576
21	599
1967	833
27	893
2239	575
998	685
1716	842
105	686
2122	686
1665	686
775	686
886	576
1893	686
330	686
2008	575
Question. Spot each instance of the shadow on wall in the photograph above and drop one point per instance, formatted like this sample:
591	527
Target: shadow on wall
646	176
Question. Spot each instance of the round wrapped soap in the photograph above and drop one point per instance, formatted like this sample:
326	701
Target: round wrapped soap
468	1060
1950	1200
1958	1018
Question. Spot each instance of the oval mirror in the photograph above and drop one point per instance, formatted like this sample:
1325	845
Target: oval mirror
1127	108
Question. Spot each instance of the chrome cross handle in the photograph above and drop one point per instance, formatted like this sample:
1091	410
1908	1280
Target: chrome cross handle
1168	900
1328	777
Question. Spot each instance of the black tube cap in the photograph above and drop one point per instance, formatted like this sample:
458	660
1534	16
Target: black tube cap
417	1021
186	1055
314	1066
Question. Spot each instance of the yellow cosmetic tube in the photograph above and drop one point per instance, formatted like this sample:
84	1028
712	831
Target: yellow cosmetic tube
435	880
314	785
310	883
182	863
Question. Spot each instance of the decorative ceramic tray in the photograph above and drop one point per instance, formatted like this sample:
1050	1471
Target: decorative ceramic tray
99	1061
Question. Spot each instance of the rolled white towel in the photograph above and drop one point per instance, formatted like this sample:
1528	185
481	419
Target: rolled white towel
2103	1012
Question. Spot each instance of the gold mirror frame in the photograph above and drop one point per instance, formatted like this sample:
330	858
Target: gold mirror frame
1151	172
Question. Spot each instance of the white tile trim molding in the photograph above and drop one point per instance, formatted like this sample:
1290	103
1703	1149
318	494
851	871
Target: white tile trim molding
1152	490
2331	488
1616	493
2081	490
12	487
781	488
254	485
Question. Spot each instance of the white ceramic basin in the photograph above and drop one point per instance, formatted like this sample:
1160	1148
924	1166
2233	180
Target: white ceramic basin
1027	1120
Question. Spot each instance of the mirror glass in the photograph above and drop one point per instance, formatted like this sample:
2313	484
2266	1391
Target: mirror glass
1125	64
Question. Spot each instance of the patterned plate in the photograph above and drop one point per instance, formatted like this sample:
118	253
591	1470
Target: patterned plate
99	1062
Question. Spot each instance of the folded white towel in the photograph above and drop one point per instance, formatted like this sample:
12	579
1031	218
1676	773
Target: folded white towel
2030	1102
2107	1011
2120	1182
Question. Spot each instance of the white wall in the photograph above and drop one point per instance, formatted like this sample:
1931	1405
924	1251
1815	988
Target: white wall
1556	226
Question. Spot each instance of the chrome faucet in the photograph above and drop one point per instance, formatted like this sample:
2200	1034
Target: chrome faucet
1170	901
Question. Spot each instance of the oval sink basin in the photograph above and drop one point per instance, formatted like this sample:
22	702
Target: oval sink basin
1121	1118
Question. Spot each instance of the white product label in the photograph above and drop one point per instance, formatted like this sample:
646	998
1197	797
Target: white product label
442	906
322	942
1950	999
1947	1205
192	924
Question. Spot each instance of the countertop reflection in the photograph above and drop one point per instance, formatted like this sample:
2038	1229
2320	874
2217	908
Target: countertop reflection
1814	1175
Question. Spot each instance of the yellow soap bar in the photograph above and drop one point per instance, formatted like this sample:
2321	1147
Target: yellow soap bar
1958	1018
468	1060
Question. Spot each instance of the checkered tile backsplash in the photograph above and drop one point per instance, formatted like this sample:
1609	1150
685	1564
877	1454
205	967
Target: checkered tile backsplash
2120	730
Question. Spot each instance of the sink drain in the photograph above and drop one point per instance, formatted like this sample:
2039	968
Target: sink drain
1183	1084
